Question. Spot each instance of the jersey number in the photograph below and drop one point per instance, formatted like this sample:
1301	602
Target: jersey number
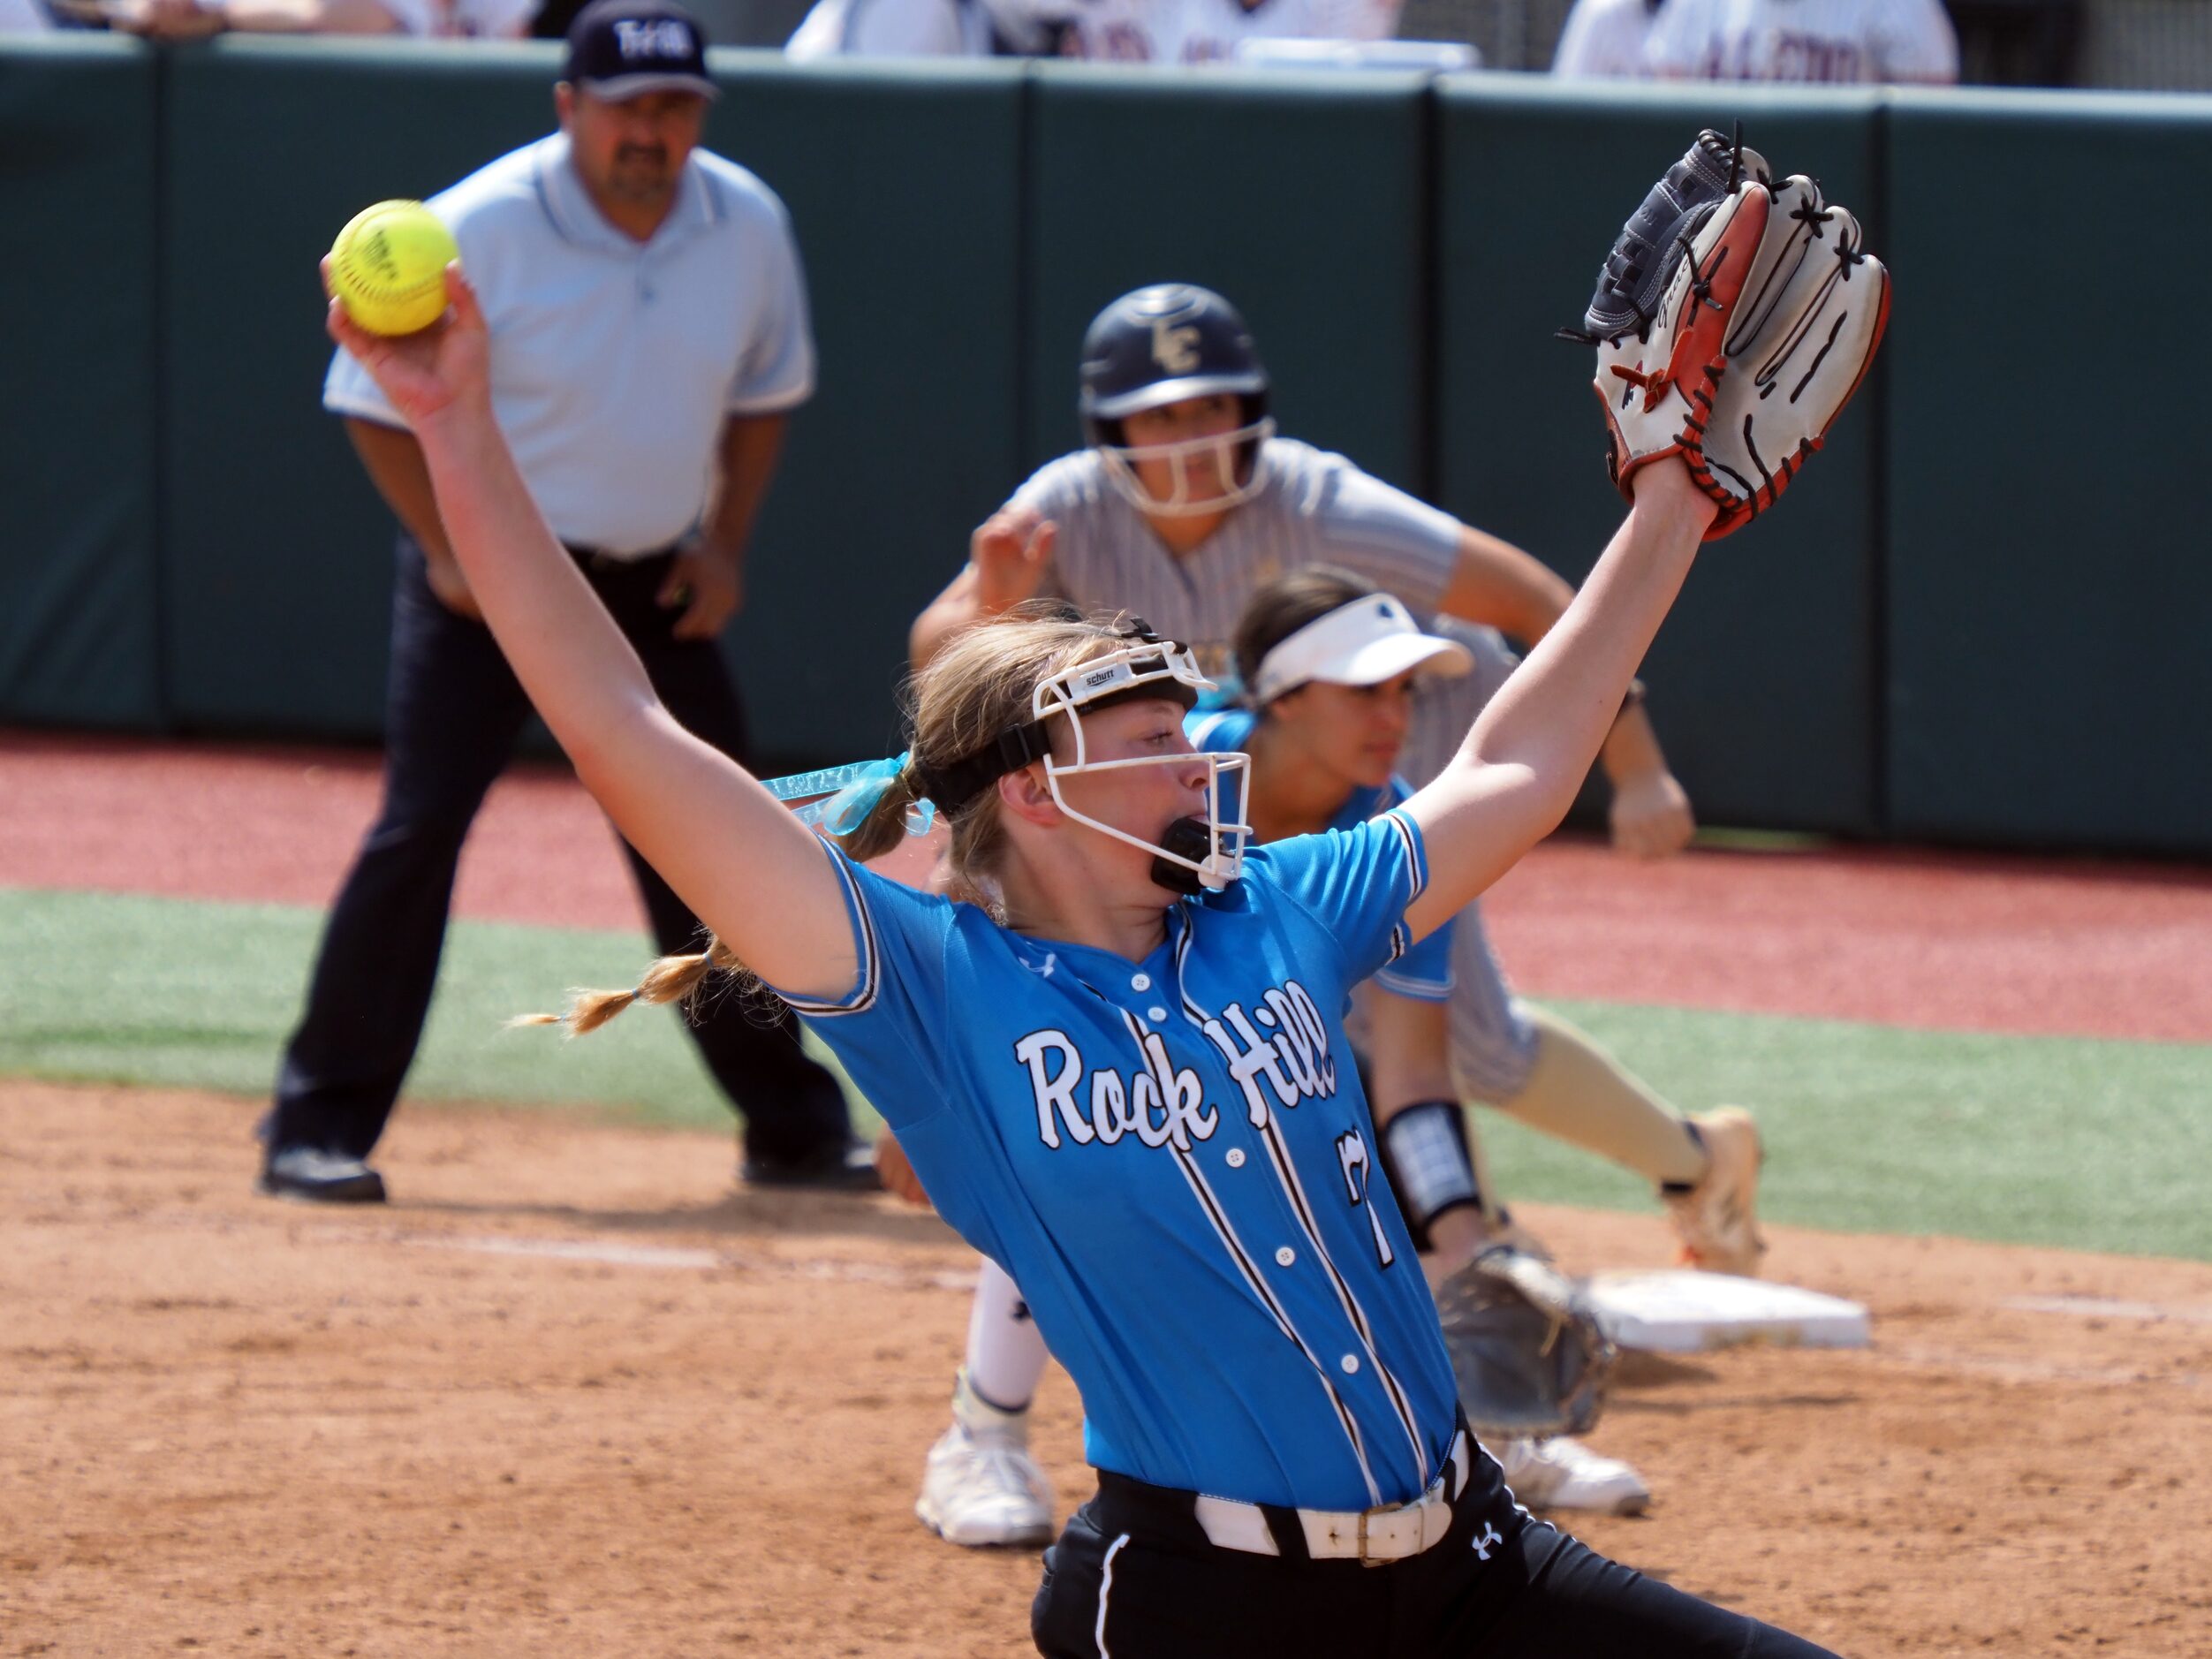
1351	1158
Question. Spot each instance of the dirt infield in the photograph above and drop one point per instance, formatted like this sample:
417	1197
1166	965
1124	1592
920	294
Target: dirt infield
569	1395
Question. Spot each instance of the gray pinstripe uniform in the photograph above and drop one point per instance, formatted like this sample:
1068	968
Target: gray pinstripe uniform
1312	508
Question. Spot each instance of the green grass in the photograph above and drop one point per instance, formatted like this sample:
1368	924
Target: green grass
124	988
2088	1144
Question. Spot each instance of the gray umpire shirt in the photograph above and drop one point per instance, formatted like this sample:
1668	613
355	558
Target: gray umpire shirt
1312	508
615	363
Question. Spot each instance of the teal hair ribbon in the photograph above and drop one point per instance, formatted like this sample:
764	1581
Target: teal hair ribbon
848	793
1228	693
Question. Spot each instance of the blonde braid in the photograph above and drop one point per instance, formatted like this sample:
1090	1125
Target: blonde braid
680	980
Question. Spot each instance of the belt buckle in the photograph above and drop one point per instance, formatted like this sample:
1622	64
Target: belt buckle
1417	1509
1367	1560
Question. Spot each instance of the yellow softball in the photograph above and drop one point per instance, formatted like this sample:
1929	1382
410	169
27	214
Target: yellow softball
388	267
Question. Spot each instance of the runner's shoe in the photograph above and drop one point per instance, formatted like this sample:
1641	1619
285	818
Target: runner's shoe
1561	1472
1717	1219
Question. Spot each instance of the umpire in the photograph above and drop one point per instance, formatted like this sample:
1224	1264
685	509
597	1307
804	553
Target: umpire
649	334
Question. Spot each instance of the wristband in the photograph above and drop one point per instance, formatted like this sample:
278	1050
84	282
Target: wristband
1426	1157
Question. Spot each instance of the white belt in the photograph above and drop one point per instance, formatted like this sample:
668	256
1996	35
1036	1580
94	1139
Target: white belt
1370	1537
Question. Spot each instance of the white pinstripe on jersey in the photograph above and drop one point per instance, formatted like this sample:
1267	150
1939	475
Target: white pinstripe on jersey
1218	1218
864	997
1294	1189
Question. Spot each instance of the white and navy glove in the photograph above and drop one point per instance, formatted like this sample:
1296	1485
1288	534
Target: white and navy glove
1733	320
1803	332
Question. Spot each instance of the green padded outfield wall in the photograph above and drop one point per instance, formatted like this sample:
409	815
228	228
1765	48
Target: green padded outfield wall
1299	196
1982	621
1764	682
278	552
902	182
79	585
2052	620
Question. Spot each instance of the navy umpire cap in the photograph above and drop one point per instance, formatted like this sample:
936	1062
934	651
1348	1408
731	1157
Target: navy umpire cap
1164	343
619	50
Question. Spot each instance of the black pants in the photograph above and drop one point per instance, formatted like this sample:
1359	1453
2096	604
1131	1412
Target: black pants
1132	1577
455	711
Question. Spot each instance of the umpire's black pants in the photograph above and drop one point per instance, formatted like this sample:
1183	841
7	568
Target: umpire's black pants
1133	1577
454	712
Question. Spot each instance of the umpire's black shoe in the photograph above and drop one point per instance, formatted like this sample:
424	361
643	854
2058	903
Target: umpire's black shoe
849	1168
319	1178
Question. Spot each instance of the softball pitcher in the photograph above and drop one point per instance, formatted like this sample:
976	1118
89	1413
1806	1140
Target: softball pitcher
1129	1084
1186	503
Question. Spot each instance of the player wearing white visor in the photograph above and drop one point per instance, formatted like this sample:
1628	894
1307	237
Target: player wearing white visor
1363	643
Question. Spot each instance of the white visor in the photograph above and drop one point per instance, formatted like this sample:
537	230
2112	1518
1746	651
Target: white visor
1364	643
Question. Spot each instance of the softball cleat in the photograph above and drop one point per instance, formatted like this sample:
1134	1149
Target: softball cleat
982	1487
1562	1473
1717	1219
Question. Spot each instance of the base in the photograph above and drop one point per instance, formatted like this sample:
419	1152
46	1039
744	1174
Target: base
1682	1311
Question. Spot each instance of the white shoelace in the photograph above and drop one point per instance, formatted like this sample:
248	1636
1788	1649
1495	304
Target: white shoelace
993	1466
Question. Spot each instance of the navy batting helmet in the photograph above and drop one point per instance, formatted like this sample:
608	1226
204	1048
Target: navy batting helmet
1160	345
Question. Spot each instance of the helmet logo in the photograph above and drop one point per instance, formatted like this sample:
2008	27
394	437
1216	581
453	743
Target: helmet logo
1174	349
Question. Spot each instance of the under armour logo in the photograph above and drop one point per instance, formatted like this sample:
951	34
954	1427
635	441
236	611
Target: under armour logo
1489	1536
1173	349
659	37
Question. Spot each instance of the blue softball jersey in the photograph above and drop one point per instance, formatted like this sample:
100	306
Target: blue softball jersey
1175	1160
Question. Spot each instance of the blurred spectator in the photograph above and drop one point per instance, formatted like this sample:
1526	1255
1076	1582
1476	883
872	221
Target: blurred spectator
194	20
1209	31
1434	58
1605	39
1831	40
1142	32
930	28
892	28
23	17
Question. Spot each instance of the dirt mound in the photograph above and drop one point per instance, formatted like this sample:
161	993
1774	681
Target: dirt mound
570	1394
